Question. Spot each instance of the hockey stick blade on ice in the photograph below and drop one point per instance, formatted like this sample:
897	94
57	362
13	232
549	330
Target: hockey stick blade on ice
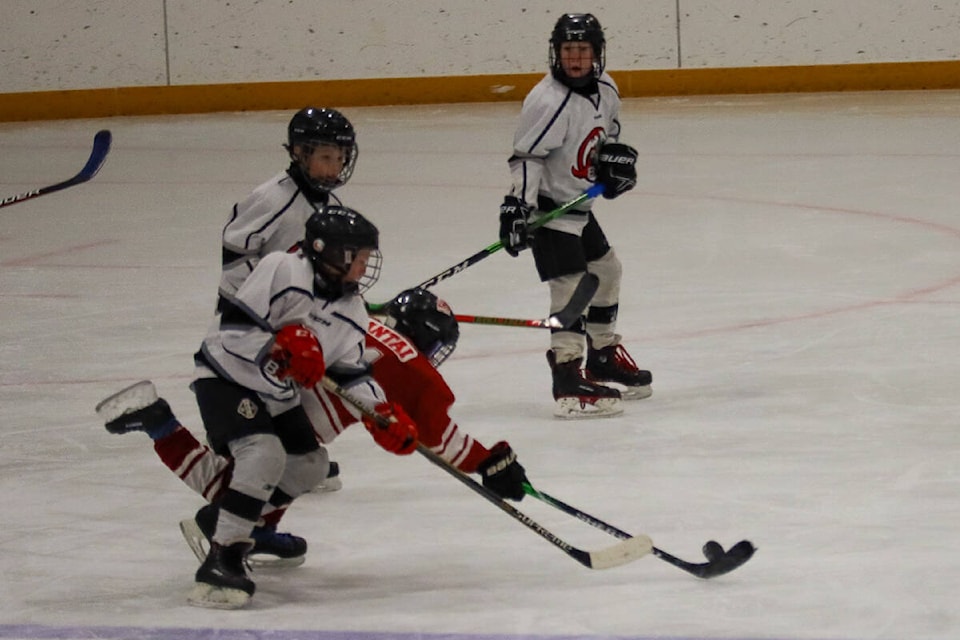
98	155
718	562
593	192
560	320
630	549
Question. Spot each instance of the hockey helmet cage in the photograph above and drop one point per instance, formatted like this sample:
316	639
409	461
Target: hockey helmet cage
427	321
333	238
311	127
578	27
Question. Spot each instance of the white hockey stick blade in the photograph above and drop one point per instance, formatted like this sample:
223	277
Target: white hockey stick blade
622	553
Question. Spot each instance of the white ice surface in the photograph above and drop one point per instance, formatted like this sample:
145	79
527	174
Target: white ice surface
791	273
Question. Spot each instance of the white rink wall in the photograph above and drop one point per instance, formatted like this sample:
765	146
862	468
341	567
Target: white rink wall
91	44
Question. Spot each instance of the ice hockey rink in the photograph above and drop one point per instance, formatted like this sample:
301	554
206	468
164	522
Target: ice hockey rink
791	277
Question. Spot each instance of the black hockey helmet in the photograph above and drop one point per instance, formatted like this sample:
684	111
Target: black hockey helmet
310	128
334	236
427	321
578	27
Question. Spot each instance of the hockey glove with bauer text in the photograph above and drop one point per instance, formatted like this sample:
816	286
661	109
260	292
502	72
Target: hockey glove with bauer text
399	436
501	472
297	355
616	169
513	225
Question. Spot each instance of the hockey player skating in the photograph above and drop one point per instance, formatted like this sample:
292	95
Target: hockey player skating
566	140
323	152
421	335
295	317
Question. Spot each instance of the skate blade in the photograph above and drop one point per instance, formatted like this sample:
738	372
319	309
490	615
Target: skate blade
195	539
133	398
269	561
211	597
580	408
636	393
329	485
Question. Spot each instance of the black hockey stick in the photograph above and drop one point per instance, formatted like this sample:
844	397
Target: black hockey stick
562	319
718	562
593	192
632	547
98	155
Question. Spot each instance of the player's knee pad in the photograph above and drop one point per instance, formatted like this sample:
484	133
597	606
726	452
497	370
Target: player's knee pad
609	270
561	290
305	471
259	460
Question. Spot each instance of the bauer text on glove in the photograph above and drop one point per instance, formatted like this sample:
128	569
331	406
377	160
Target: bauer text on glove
398	434
616	169
513	225
501	472
297	355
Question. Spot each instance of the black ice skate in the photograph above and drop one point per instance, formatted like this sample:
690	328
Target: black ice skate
614	364
137	408
270	548
577	397
222	581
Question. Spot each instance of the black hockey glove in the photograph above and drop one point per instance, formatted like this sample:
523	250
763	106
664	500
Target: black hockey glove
513	225
501	472
616	169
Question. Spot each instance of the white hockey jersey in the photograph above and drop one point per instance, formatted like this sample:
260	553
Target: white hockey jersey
556	141
280	292
271	218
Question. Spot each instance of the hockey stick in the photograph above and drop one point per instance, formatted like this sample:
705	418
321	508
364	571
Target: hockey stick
718	562
562	319
98	155
632	547
545	323
593	192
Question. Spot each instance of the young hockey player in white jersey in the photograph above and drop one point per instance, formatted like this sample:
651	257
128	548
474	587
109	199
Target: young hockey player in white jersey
295	318
323	153
565	142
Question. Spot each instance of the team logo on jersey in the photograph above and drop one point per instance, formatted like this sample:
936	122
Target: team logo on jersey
247	408
586	168
393	341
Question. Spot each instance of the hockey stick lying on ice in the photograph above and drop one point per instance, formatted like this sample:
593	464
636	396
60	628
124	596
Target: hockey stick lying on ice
593	192
98	155
562	319
718	562
632	547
